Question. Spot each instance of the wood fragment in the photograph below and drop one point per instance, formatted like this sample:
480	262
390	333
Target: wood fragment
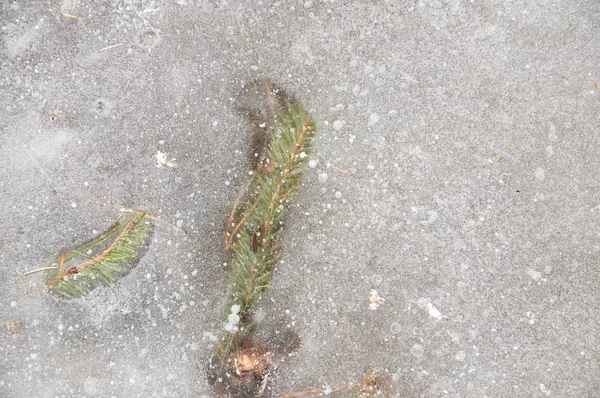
595	84
332	167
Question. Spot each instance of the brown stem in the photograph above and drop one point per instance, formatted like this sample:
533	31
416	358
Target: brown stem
286	171
250	283
230	235
39	270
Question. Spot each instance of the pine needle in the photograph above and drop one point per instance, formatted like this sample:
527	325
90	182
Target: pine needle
253	237
100	260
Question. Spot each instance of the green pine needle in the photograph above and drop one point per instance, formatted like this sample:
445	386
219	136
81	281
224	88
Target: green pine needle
100	260
253	238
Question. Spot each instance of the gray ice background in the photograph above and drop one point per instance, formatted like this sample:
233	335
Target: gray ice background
469	131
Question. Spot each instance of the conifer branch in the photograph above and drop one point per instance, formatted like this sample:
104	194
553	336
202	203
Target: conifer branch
79	270
284	131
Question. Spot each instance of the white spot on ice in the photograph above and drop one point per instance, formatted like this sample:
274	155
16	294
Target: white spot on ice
432	216
373	119
323	177
233	318
13	303
338	124
73	204
460	356
535	275
417	351
540	174
422	302
312	163
433	312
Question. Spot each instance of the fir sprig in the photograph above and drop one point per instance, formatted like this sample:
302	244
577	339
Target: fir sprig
100	260
253	238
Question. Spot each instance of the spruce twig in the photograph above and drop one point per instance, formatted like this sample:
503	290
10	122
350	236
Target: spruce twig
102	259
285	132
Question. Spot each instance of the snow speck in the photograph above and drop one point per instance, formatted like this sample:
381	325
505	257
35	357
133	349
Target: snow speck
417	351
373	119
307	4
376	279
61	327
338	124
540	174
73	204
323	177
233	318
395	328
432	215
433	312
535	275
338	195
422	302
312	163
235	309
13	303
460	356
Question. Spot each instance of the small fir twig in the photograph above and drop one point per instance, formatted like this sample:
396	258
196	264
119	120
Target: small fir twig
253	228
102	259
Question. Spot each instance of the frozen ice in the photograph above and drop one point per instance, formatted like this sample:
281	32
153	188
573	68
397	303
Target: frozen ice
540	174
233	318
417	350
433	312
535	275
460	356
376	279
373	119
487	243
323	177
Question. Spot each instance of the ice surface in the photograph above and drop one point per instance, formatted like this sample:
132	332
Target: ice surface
418	98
